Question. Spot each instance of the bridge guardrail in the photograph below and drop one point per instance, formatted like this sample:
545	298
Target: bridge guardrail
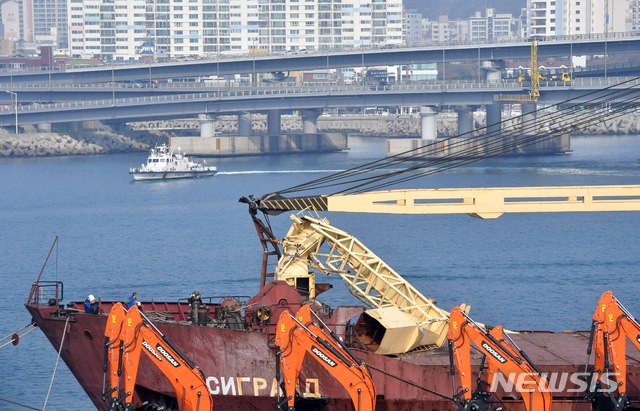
219	95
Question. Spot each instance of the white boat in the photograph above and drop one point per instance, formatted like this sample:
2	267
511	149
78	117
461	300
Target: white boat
164	164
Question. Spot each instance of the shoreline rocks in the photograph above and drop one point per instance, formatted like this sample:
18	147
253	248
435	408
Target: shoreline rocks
137	137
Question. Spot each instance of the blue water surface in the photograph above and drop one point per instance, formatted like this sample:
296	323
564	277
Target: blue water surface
167	239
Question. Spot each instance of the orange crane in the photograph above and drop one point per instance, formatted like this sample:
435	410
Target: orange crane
503	357
126	336
612	324
299	335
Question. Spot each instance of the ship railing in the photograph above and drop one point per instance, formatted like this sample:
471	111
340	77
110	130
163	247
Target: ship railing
46	292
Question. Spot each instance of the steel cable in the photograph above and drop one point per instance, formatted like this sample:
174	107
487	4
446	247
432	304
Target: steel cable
491	143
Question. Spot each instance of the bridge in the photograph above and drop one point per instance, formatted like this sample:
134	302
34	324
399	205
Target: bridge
613	43
98	102
108	94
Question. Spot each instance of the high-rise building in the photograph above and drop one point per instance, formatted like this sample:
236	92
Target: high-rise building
412	28
106	29
50	22
492	27
446	31
10	15
187	28
580	17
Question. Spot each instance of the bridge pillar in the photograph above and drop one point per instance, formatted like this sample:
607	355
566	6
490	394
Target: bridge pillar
44	127
273	122
428	117
494	112
244	124
309	121
465	121
207	127
528	115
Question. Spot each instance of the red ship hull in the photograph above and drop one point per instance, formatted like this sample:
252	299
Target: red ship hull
239	364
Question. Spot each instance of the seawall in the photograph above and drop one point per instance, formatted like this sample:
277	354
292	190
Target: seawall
101	139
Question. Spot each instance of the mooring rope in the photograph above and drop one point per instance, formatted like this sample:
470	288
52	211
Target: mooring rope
57	361
12	340
15	332
20	405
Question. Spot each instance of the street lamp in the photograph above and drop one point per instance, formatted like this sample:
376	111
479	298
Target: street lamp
14	94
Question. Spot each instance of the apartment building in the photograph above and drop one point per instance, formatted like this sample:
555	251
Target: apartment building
548	18
116	29
444	30
492	27
49	22
412	28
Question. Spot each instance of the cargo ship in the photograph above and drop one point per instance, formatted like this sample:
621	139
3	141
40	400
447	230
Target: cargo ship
398	335
232	338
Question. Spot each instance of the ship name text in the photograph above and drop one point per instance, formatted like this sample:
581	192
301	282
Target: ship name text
259	387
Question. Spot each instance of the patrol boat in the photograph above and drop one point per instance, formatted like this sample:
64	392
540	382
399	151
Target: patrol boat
164	164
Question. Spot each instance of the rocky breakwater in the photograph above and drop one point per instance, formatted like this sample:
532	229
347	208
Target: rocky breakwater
100	141
44	144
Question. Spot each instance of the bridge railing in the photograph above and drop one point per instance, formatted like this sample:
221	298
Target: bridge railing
331	50
429	87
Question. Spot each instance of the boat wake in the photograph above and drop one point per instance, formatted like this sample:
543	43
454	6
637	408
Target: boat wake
277	172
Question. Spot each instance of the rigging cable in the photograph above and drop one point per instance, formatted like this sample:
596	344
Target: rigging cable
492	142
66	324
20	405
495	150
491	153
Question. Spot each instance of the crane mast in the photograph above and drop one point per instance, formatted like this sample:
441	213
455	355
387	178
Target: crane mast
488	202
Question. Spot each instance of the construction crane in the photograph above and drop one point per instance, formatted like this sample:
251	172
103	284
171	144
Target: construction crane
404	317
488	202
534	88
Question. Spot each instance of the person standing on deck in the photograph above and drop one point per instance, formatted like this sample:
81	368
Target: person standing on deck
133	300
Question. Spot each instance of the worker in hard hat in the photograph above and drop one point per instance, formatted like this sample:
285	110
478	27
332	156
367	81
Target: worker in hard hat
91	305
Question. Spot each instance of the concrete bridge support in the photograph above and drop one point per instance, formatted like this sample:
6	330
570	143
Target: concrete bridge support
465	121
494	113
528	117
244	124
309	121
207	127
428	117
273	122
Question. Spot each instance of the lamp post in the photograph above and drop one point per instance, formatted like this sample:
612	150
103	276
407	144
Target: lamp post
14	94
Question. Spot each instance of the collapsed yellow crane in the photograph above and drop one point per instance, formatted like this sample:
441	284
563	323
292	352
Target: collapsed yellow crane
406	318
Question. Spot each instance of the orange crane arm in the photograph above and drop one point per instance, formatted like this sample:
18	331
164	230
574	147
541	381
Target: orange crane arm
297	336
612	325
501	357
114	350
138	335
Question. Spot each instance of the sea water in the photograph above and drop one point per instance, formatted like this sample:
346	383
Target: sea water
167	239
